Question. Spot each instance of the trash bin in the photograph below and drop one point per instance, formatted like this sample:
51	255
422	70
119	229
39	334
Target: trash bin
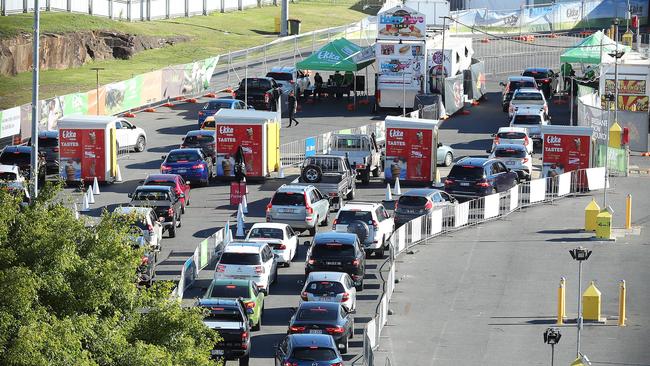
294	26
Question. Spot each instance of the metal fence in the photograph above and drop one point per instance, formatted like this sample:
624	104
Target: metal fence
439	222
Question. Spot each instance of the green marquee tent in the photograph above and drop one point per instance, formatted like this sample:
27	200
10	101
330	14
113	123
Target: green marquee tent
589	50
338	55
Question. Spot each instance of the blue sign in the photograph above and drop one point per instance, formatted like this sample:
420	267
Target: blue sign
310	146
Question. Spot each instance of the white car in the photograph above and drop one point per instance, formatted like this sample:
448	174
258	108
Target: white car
128	135
330	287
147	220
370	221
516	158
512	135
11	173
527	98
532	119
281	237
248	261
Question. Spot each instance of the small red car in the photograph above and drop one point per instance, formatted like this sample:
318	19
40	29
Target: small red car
171	180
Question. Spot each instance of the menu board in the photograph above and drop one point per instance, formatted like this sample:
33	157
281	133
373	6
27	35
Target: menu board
408	154
229	138
401	23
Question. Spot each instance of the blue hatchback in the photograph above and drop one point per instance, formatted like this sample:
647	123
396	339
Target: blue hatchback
214	105
308	350
191	164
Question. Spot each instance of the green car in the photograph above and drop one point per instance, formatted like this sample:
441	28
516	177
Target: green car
246	291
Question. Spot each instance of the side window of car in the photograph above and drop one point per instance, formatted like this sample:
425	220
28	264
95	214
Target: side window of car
502	168
436	197
118	125
445	197
343	314
379	214
493	169
255	291
126	124
313	197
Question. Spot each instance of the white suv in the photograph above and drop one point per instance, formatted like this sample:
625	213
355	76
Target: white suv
532	119
370	221
516	158
512	135
281	237
248	261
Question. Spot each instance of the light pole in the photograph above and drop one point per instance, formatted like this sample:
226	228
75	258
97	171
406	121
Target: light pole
552	336
579	254
609	98
35	110
97	70
616	55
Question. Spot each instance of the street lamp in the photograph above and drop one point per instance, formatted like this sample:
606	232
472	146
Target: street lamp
552	336
579	254
97	70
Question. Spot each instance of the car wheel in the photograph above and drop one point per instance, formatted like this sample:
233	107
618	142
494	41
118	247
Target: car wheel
350	195
359	287
257	326
244	360
179	221
376	172
352	331
449	158
312	231
344	343
140	144
326	221
172	230
182	209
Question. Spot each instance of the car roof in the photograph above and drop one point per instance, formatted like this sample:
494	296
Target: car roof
221	301
538	69
421	192
224	99
329	276
332	236
359	206
226	281
163	177
307	340
510	146
153	188
9	169
18	148
294	188
184	149
125	210
49	134
258	78
527	90
320	304
244	247
201	132
513	129
521	78
287	69
478	162
273	225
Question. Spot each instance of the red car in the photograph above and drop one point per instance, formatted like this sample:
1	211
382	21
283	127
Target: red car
171	180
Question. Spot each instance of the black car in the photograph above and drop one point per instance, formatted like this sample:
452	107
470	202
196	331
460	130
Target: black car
514	83
337	252
317	317
230	319
48	146
21	156
477	177
165	202
262	93
546	79
200	139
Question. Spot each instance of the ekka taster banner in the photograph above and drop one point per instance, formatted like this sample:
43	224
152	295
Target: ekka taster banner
408	154
564	153
229	138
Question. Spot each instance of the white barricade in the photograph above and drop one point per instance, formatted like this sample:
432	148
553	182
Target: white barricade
596	178
371	330
514	197
564	184
537	190
383	312
391	282
491	206
461	214
416	229
401	239
436	221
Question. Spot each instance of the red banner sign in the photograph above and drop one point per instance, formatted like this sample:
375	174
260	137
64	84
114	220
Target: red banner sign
82	154
408	154
70	154
237	190
564	153
229	138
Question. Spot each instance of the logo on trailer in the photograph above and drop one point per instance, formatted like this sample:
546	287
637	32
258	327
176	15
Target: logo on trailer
553	139
226	130
396	133
67	134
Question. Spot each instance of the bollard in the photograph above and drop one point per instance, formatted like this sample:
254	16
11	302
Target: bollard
591	211
621	304
615	133
628	212
561	301
604	225
591	303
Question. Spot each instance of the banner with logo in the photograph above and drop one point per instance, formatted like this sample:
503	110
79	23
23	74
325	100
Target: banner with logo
635	87
454	94
400	66
10	122
229	138
478	79
565	153
408	154
402	23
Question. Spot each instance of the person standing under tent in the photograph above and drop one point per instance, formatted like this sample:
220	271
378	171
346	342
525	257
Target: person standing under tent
318	86
567	74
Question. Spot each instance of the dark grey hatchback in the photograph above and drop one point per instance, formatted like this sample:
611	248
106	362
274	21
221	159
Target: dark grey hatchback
317	317
421	201
477	177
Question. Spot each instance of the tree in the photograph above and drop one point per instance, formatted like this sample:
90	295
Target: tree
68	294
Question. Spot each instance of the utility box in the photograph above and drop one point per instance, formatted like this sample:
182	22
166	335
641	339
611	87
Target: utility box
604	225
591	212
591	303
615	135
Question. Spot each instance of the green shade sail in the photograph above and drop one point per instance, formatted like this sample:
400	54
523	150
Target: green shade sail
338	55
589	50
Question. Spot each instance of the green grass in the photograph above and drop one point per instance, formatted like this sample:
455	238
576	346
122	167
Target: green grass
211	35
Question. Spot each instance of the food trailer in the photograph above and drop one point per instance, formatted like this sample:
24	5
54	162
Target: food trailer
258	134
566	148
411	149
87	148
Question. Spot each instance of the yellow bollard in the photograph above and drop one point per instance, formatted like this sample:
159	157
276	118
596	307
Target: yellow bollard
621	304
627	38
615	134
628	212
561	302
591	303
604	225
591	211
277	25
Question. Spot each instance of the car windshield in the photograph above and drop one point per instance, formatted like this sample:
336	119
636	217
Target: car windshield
198	139
14	158
262	84
230	291
284	76
320	288
208	123
317	313
347	216
527	119
8	176
412	201
528	96
183	156
535	74
223	314
313	354
288	199
326	164
48	142
466	172
332	250
511	135
514	85
510	153
240	258
349	144
142	195
266	233
216	105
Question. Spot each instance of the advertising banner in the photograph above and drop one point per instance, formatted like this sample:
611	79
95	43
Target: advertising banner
635	87
436	63
400	65
632	103
229	138
93	158
454	94
565	153
70	150
310	146
237	190
478	79
408	154
10	122
401	23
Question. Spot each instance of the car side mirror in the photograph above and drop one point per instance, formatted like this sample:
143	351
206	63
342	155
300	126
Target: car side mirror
142	181
440	144
163	157
353	311
183	138
130	195
307	243
502	83
489	151
301	282
161	219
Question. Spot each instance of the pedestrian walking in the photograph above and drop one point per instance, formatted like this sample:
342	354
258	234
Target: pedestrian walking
293	106
318	86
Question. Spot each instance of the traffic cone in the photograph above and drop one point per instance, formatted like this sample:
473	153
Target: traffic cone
244	181
230	239
118	174
150	110
389	196
129	115
281	171
244	205
240	222
95	186
91	197
397	190
76	211
85	207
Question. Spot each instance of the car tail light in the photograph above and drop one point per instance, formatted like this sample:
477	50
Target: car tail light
303	296
428	205
170	211
281	247
496	140
345	297
375	224
311	261
56	149
336	221
200	166
291	82
269	207
292	364
396	204
335	330
201	113
296	329
149	227
144	261
361	166
378	96
483	183
244	338
165	168
337	364
259	269
526	142
267	97
546	81
449	182
250	305
308	208
524	160
356	263
221	268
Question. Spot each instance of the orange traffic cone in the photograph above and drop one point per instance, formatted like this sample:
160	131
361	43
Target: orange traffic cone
129	115
149	110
